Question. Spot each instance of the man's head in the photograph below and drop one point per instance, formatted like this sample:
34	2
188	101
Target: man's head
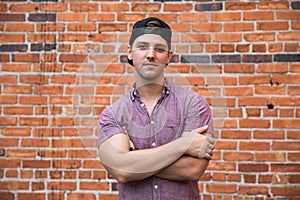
150	25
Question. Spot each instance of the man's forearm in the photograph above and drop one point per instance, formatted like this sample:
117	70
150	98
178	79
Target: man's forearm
140	164
184	169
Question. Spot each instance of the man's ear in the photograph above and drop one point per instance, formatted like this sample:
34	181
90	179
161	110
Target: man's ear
129	53
170	54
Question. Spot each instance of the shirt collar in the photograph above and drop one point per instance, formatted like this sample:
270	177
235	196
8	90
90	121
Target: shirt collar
134	94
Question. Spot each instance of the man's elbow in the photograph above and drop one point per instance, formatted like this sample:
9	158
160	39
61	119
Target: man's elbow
198	170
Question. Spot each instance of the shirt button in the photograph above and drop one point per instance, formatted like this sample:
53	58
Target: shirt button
142	104
152	122
153	144
156	187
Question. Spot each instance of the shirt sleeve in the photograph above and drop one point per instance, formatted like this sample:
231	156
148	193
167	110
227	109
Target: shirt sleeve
107	126
198	114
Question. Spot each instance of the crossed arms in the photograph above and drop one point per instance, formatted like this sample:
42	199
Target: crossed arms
185	158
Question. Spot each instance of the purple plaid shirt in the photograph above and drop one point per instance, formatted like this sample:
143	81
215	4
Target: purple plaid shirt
178	110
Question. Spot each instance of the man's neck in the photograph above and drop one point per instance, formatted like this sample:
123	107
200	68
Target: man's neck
150	91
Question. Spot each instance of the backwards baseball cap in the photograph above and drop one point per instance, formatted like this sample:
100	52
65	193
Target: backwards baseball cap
151	25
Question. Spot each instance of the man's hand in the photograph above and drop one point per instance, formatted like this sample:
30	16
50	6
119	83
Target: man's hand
200	146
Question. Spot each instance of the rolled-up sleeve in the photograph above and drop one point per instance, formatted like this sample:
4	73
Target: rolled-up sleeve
198	115
107	125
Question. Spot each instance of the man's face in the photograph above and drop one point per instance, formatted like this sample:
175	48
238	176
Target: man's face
150	55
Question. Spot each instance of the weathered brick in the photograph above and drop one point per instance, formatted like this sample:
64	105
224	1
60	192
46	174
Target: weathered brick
226	58
42	17
43	46
287	57
12	17
257	58
209	7
13	47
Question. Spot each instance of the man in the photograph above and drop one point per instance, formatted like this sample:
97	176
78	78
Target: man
150	140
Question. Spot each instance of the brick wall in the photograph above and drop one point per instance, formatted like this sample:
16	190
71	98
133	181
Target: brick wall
63	61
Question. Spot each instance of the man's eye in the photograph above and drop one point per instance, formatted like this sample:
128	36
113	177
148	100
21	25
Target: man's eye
142	47
160	50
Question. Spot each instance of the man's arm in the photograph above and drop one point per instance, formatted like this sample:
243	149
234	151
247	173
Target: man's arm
185	168
127	165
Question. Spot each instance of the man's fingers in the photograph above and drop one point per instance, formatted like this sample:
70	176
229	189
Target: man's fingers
211	140
208	157
202	129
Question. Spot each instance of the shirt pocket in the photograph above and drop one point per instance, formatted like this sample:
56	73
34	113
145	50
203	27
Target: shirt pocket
170	131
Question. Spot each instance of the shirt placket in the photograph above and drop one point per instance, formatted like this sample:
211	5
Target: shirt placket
155	181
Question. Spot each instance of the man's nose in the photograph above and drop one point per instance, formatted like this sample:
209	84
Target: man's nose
151	53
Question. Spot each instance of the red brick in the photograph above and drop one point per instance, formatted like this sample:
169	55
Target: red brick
78	17
17	89
228	16
19	27
8	121
11	173
272	26
221	188
205	27
270	157
146	7
295	25
34	79
238	68
61	185
239	91
259	37
38	186
28	7
253	190
268	134
273	5
18	110
52	153
289	36
285	191
253	167
108	196
58	7
285	167
101	17
84	7
67	164
27	58
16	38
288	146
272	68
237	156
14	185
194	17
130	17
94	186
105	7
48	90
35	142
176	7
290	15
271	90
225	37
72	37
15	67
92	164
240	5
238	27
72	196
263	146
8	142
286	123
